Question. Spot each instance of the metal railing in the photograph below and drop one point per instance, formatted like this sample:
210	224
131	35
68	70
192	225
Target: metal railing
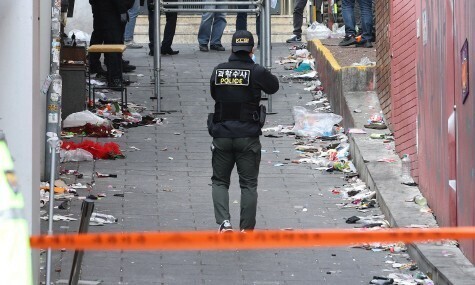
262	7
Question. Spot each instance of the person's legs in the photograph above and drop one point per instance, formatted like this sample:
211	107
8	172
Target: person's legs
219	24
169	32
223	164
204	31
298	16
151	28
130	26
95	58
248	159
367	19
113	60
347	11
241	18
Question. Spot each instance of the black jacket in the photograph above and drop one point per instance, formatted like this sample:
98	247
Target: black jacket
260	79
107	13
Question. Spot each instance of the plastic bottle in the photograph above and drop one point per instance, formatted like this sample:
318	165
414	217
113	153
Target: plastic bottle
108	219
406	168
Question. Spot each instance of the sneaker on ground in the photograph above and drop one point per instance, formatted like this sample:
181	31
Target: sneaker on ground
294	39
348	41
132	44
225	227
217	47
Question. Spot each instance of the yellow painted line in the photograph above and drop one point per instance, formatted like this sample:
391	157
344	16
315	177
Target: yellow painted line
331	59
327	54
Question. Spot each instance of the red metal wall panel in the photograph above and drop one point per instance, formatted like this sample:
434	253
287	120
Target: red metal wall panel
434	106
465	169
403	77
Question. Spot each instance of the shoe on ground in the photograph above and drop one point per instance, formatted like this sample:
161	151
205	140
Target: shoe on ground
128	68
365	44
150	52
225	227
132	44
169	52
348	41
125	62
294	39
204	48
217	47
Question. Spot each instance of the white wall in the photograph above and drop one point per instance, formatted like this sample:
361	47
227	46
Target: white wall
20	99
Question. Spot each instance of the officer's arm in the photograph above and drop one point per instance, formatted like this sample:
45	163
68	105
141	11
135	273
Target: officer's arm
265	80
211	84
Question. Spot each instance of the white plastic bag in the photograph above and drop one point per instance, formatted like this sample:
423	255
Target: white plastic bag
78	154
318	31
80	35
339	33
79	119
309	123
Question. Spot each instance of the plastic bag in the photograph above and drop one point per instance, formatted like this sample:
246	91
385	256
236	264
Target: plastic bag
78	154
80	119
80	35
339	33
309	123
318	31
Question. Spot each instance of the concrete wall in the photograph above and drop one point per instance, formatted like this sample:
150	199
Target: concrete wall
20	100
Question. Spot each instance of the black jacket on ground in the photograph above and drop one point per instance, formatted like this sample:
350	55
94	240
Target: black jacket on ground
260	79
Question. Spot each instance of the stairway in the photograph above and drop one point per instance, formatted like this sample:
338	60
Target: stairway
187	28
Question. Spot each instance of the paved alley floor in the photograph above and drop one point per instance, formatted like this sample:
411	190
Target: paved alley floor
165	179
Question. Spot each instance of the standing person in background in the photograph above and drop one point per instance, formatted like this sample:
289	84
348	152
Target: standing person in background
348	12
241	23
235	126
109	18
211	29
168	33
130	26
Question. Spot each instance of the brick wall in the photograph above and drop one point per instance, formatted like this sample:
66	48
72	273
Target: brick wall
403	78
383	59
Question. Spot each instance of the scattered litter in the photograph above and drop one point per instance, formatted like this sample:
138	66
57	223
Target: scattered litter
57	218
118	195
356	131
134	148
103	175
365	61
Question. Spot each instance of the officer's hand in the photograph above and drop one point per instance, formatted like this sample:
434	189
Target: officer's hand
124	17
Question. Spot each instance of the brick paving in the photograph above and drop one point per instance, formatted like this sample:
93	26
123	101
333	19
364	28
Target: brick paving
170	190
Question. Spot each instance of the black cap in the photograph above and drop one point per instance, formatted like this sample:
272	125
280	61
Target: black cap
242	40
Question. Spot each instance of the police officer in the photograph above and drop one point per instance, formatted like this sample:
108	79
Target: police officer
235	127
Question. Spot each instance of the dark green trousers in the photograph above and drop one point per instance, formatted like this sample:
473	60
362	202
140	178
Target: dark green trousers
245	153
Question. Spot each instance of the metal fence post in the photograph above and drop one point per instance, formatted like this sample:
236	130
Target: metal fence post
156	54
87	208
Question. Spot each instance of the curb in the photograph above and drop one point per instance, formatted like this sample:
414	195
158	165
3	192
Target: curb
443	263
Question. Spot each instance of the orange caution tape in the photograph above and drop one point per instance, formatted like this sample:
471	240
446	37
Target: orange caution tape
207	240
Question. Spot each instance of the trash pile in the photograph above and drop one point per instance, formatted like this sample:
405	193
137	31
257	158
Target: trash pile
88	150
321	141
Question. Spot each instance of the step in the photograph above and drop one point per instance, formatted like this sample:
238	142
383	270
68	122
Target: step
188	25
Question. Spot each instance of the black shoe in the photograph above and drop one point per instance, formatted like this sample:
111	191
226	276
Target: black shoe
204	48
125	82
294	39
169	52
348	41
125	62
128	68
217	47
365	44
150	53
